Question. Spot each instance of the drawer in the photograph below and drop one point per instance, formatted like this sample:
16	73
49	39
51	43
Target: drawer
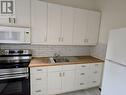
36	70
82	66
81	73
94	80
96	66
96	69
39	77
38	92
68	67
54	68
38	87
81	83
94	83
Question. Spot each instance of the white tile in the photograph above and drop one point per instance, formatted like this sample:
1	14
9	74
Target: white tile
45	50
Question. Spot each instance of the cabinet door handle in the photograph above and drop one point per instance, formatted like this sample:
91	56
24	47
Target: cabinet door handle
62	39
38	91
83	66
81	83
63	74
96	65
95	72
87	40
94	81
39	79
14	20
60	74
82	73
9	20
59	39
39	70
45	39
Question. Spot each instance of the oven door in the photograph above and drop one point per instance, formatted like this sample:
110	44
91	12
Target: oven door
14	84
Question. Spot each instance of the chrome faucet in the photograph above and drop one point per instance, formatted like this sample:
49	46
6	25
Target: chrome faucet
56	55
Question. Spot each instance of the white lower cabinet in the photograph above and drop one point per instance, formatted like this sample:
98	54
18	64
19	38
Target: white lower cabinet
64	78
54	83
68	78
60	79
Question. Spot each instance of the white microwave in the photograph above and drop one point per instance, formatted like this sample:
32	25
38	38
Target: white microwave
14	35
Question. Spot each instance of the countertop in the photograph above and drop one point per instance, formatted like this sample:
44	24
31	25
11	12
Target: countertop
44	61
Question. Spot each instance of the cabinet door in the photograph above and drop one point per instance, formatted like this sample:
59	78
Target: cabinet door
67	25
39	21
80	26
54	23
93	24
54	83
22	13
68	79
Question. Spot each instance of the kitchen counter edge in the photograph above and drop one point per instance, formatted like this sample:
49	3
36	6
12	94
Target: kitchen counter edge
44	61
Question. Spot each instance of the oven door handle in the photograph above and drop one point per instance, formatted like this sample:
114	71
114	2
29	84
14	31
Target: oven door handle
14	76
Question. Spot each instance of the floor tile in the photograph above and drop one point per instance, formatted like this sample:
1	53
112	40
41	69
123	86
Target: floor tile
93	91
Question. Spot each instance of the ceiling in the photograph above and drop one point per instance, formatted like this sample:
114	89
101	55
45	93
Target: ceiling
84	4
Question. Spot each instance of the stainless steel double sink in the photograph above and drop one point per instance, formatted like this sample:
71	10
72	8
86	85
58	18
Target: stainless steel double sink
61	59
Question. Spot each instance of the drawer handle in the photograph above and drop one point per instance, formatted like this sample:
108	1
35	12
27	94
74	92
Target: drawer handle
38	91
83	66
82	73
39	70
60	74
96	64
95	72
63	74
38	79
94	81
81	83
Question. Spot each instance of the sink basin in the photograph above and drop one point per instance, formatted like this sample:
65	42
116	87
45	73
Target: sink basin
58	59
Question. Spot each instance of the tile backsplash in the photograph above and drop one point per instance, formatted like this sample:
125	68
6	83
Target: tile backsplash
45	50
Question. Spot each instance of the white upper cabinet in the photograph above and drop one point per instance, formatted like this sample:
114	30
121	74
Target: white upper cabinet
22	15
39	21
54	23
93	24
67	25
80	26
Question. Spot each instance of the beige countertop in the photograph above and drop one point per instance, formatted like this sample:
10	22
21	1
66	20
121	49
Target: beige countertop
44	61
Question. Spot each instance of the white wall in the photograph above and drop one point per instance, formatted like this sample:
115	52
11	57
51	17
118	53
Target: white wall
113	16
86	4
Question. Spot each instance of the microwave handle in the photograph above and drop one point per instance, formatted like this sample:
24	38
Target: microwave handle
14	76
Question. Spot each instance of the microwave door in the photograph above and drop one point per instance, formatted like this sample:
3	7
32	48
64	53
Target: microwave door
17	35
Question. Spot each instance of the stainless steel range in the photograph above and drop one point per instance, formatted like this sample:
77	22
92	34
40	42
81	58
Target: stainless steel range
14	72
